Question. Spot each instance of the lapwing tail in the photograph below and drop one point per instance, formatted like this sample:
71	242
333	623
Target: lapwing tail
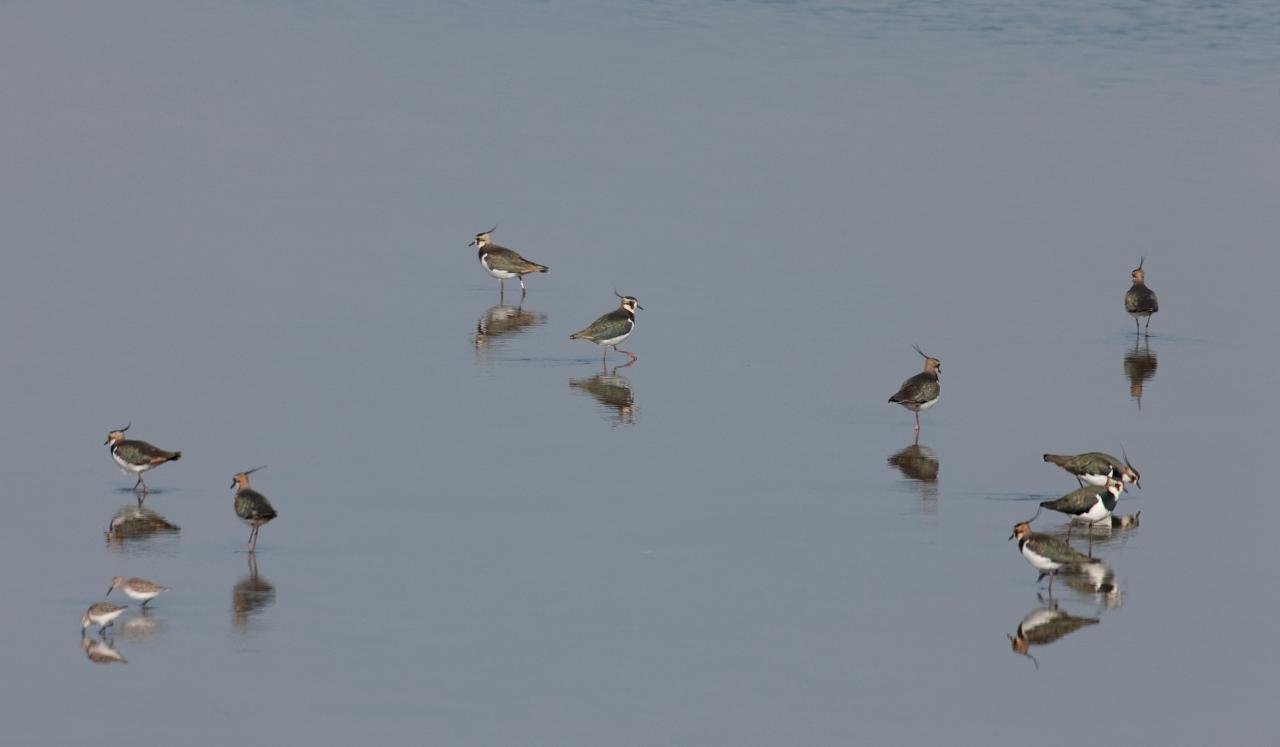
1056	459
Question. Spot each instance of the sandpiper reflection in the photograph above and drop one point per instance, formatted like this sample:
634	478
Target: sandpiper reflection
101	651
250	596
134	524
1043	626
613	393
919	464
1139	366
141	626
504	322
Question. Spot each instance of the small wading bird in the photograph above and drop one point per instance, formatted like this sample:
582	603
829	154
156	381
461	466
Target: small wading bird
920	392
136	457
252	507
102	614
1089	504
1140	300
138	589
612	328
1096	468
1045	553
503	263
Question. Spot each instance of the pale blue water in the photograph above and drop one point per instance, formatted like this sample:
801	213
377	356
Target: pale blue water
243	228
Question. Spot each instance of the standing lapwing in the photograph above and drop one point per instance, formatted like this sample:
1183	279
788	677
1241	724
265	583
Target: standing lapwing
1090	504
1140	300
136	457
920	392
612	328
1096	468
252	507
503	263
1046	553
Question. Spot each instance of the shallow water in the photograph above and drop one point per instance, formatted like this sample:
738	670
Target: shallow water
243	229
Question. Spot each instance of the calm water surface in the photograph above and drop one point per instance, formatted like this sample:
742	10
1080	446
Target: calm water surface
243	228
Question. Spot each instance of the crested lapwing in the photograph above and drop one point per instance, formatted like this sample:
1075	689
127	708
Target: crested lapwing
920	392
1095	467
503	263
612	328
1140	300
1046	553
252	507
136	457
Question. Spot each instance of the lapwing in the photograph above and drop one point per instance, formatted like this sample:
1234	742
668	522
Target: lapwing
252	507
612	328
1140	300
136	457
1046	553
920	392
138	589
102	614
1095	467
1089	504
1044	626
503	263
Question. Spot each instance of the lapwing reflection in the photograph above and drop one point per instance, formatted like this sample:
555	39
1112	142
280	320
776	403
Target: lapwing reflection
1043	626
135	524
1096	581
920	465
501	322
1140	367
613	393
250	596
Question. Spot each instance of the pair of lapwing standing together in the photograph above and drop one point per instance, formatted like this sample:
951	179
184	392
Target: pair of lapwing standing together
136	457
608	330
1102	478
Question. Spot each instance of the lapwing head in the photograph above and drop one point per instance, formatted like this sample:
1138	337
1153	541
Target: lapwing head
627	302
1129	473
241	479
1138	275
482	239
932	365
1021	529
116	436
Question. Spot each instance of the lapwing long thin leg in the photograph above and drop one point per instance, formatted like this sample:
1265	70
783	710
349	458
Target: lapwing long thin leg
1091	539
628	352
917	423
1052	574
1147	329
521	285
1080	480
1070	526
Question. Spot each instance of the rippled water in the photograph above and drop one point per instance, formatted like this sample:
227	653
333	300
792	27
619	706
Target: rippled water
243	228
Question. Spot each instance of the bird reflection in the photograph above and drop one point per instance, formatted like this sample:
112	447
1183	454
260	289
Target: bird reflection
613	392
1140	366
250	596
101	651
1095	580
132	523
1043	626
918	463
504	321
140	627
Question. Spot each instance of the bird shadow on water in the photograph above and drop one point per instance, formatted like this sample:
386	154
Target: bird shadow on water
612	393
1140	364
250	596
137	528
919	466
141	627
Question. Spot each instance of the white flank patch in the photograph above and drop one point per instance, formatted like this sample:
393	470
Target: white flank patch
1039	562
130	469
930	403
499	274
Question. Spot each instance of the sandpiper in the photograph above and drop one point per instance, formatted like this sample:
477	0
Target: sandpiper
1046	553
1140	300
1089	504
503	263
138	589
920	392
252	507
136	457
612	328
1096	468
102	614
